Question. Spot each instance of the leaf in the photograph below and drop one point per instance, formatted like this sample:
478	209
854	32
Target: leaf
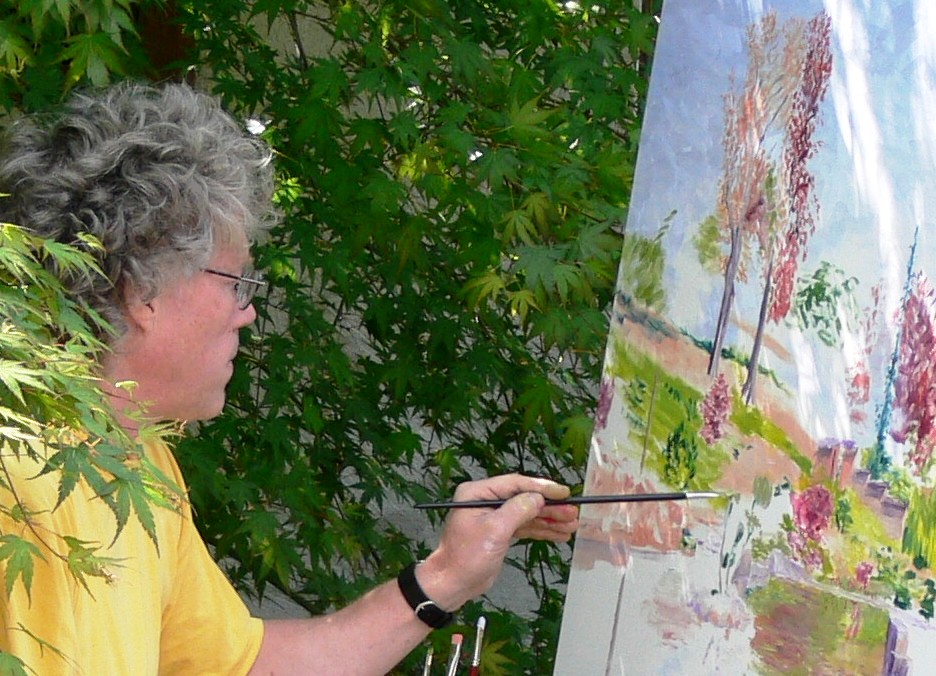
467	60
11	665
18	555
536	401
82	562
141	506
528	117
14	49
517	225
15	375
498	165
521	302
494	661
540	208
94	55
486	286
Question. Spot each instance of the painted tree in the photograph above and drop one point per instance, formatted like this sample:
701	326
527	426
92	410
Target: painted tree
914	419
741	207
825	303
754	197
800	146
879	461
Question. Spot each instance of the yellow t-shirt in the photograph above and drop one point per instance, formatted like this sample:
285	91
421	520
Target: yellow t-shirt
166	612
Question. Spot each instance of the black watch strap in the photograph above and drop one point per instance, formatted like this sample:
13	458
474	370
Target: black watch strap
424	607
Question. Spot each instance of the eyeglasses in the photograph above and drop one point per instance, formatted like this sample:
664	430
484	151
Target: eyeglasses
245	288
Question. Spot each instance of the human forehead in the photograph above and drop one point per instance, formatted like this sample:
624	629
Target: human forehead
230	258
233	248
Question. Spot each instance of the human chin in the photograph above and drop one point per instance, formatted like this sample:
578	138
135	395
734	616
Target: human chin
208	409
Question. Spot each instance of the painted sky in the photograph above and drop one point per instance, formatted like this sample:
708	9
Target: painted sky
875	171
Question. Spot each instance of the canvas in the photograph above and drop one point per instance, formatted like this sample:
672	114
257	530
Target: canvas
773	338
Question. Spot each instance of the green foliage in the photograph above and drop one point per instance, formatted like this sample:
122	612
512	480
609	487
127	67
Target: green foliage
50	399
47	47
679	458
458	177
843	515
821	299
707	243
657	409
642	264
918	538
927	599
877	460
750	420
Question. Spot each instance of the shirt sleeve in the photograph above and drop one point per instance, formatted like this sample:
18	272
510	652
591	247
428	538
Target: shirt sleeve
206	626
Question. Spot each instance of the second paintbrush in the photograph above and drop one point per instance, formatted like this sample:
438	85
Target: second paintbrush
580	499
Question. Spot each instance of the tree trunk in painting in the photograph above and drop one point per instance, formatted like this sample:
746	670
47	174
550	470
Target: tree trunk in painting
724	311
747	390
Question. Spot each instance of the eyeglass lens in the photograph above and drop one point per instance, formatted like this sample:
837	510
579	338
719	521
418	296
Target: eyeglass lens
247	288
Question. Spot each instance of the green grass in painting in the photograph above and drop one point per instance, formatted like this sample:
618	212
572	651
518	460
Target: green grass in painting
749	420
807	630
919	533
674	401
866	524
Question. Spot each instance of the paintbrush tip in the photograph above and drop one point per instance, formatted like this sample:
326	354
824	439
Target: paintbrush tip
457	639
481	623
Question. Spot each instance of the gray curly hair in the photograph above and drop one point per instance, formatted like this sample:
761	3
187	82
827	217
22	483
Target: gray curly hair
159	175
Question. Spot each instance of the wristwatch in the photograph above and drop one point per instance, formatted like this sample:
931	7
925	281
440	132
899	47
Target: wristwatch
424	607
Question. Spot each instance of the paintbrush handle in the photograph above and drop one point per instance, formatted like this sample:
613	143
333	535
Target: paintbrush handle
576	500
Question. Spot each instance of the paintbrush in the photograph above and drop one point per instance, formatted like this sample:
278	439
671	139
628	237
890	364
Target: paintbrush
581	499
456	651
476	657
428	663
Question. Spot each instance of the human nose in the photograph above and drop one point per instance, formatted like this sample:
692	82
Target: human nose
246	316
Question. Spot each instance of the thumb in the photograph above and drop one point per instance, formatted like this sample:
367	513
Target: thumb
518	511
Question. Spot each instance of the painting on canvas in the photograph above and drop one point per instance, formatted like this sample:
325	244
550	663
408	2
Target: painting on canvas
773	338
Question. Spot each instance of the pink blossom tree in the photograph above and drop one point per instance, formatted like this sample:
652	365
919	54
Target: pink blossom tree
914	418
742	199
782	262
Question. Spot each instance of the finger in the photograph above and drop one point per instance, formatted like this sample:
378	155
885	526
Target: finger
548	529
560	512
552	490
517	512
506	485
543	533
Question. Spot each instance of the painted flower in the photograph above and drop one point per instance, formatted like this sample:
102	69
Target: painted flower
605	398
863	572
812	511
715	409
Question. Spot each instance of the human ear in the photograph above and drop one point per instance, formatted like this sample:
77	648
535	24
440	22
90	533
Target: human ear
140	312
